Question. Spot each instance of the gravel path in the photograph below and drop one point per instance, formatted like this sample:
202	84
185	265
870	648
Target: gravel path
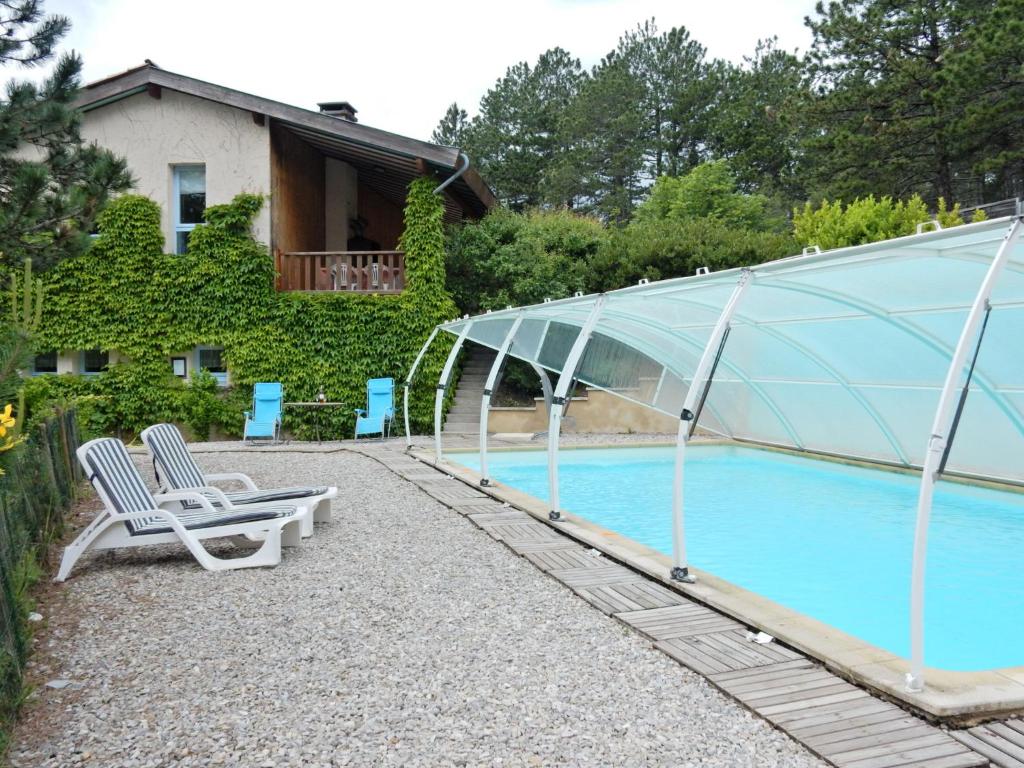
398	635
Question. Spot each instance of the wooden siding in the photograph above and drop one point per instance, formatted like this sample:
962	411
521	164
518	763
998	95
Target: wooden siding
297	219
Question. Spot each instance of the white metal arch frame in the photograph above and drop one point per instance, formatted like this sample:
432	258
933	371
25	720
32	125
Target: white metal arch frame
409	379
701	379
572	362
442	385
937	445
545	386
485	400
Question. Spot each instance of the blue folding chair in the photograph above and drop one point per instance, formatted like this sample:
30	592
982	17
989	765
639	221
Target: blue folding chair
264	420
377	417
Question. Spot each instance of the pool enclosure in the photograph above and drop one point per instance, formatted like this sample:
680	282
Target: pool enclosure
908	352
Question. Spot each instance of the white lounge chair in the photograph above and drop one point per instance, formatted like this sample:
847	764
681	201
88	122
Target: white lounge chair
177	470
133	517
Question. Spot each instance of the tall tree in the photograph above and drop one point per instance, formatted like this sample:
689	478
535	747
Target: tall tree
52	183
886	123
451	130
600	167
645	111
987	73
514	135
759	123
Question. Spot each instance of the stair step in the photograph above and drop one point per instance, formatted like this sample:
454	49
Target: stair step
461	426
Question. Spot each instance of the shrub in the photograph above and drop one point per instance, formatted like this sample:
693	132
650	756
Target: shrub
865	220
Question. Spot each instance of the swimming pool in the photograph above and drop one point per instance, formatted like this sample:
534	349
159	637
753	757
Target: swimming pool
825	539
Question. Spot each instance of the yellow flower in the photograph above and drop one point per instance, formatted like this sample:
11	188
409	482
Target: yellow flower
6	420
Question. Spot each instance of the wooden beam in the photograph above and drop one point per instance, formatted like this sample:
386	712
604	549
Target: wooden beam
259	118
154	91
479	188
423	168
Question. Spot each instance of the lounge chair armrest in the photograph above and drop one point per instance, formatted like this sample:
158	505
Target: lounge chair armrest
248	415
361	412
195	496
240	477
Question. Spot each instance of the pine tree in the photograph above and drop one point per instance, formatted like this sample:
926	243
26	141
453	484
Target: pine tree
515	136
887	123
451	129
52	183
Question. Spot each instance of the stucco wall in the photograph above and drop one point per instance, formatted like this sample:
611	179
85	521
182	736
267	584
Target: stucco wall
177	129
598	412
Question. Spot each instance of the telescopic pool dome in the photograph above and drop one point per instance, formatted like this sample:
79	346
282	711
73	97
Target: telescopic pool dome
864	352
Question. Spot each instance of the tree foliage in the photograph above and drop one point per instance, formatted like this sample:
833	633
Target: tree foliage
865	220
52	183
515	136
451	130
709	191
893	99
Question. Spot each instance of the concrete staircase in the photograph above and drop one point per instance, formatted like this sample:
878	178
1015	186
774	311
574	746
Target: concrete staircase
464	416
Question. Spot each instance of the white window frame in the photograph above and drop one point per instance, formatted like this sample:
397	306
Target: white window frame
222	378
175	192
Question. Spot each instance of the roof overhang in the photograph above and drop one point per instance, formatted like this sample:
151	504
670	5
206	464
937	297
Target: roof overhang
387	161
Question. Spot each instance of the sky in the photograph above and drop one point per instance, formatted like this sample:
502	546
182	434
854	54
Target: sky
399	63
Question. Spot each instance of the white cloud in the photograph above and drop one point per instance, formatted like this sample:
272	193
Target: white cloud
399	63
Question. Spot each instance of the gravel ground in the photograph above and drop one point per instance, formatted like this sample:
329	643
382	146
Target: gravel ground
398	635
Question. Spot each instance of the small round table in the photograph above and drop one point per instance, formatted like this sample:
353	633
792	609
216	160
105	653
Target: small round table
316	405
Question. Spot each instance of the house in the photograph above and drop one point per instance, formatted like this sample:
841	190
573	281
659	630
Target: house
336	187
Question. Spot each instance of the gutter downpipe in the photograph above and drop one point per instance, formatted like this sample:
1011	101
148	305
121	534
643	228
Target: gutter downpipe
687	420
464	158
937	442
565	379
485	401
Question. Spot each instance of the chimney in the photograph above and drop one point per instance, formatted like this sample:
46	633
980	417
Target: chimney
340	109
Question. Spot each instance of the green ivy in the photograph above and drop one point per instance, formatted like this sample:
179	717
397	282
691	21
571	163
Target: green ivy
126	295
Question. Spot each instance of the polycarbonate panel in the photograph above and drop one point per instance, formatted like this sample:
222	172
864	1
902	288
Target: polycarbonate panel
844	351
613	365
989	440
558	341
490	333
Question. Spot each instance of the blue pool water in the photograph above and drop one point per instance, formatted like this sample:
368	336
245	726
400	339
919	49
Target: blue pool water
828	540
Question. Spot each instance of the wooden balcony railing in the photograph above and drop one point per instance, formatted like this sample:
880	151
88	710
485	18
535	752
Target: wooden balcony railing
353	271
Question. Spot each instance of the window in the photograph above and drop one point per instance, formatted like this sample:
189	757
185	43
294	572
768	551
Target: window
211	359
94	361
189	202
179	366
44	363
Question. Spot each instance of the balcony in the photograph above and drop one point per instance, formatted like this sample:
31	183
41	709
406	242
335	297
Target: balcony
380	272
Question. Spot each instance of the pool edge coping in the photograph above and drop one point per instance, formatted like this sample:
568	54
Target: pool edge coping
950	697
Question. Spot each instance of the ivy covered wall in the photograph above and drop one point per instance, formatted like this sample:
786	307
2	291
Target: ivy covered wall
126	295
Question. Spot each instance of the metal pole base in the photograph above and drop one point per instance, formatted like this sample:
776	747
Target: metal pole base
913	684
484	482
683	574
554	514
